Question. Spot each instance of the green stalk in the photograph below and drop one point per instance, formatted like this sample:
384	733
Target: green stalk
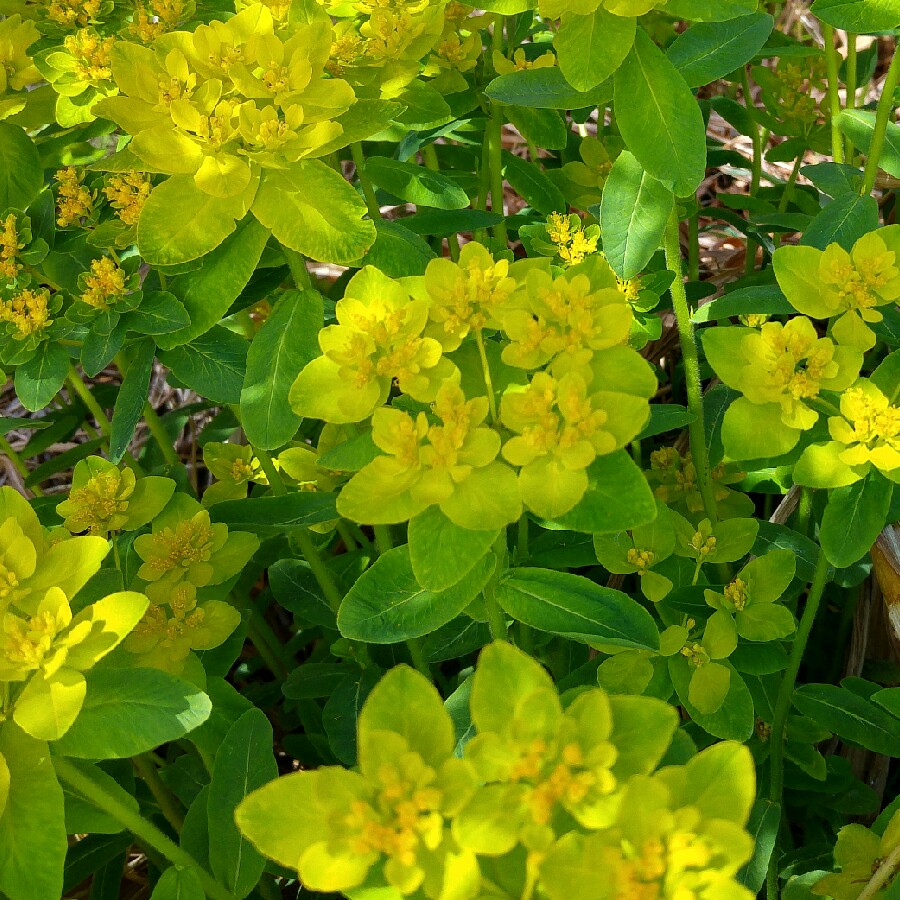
143	830
165	799
486	372
883	874
359	161
416	651
73	379
383	539
882	117
691	359
756	170
159	434
694	248
297	265
495	150
834	102
789	187
267	644
522	539
852	78
496	616
7	450
783	706
318	568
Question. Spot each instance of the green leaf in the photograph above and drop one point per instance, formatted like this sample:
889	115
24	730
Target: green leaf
314	680
543	127
214	364
733	720
287	341
712	50
759	298
666	417
854	517
710	10
342	710
32	825
208	292
415	184
82	817
131	399
159	313
763	825
590	48
179	222
131	711
850	717
843	221
178	884
442	553
527	180
576	608
243	764
21	175
38	380
387	605
659	118
860	16
544	88
618	498
313	210
443	223
859	125
397	251
633	216
275	513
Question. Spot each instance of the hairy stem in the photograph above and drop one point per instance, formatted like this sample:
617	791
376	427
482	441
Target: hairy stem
165	799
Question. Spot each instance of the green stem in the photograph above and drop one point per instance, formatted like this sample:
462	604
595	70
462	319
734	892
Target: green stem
7	450
297	265
267	644
429	157
789	186
496	616
882	117
834	102
87	398
346	536
383	539
143	830
159	434
495	145
522	540
783	706
486	372
165	799
359	161
852	77
317	566
691	359
756	170
416	651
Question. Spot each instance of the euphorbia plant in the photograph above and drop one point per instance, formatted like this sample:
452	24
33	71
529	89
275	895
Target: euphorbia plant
525	545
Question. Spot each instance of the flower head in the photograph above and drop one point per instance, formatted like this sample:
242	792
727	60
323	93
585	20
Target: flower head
74	200
127	193
28	314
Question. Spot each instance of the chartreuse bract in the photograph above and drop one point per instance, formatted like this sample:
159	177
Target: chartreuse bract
454	442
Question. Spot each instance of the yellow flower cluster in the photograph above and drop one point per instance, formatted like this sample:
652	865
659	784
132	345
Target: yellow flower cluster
100	505
573	245
91	54
10	246
104	284
28	312
75	201
73	13
151	18
127	194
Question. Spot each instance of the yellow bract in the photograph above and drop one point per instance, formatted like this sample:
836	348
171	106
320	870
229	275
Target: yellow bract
74	201
127	194
101	504
10	245
869	428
